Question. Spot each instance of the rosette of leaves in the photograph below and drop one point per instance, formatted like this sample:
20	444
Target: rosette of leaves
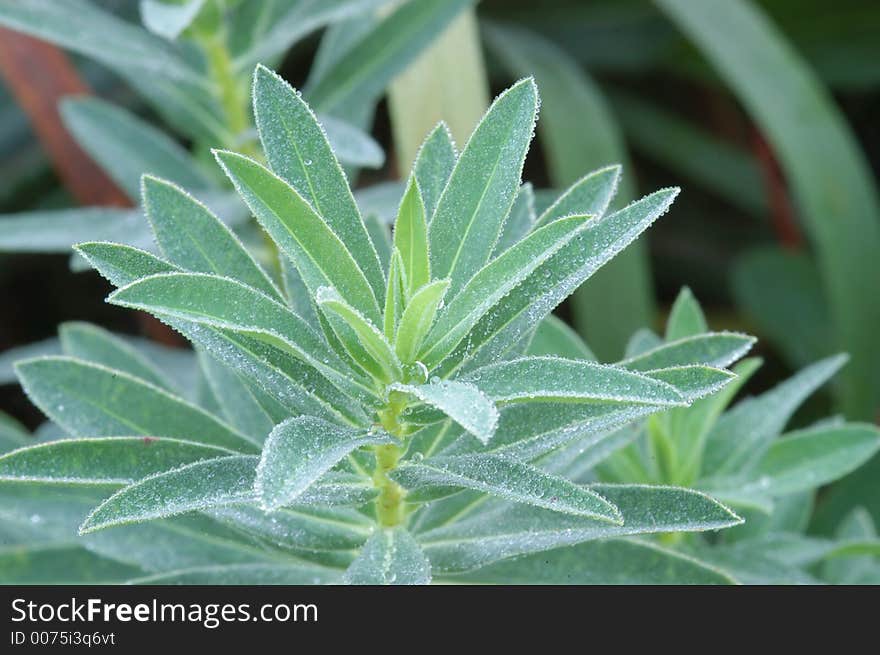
744	456
382	408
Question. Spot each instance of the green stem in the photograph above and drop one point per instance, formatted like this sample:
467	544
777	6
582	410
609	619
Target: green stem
232	95
389	504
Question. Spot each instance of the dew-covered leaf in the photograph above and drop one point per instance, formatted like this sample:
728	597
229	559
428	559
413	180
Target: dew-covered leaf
507	479
191	237
718	350
390	557
89	400
107	460
520	221
201	485
299	152
686	318
589	195
411	237
417	319
320	255
301	450
463	403
693	382
280	573
433	166
483	185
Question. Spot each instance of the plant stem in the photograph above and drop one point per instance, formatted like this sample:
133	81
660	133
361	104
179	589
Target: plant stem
389	504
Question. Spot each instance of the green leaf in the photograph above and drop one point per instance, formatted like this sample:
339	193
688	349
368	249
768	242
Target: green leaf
366	68
519	222
433	166
686	318
390	557
89	400
592	194
122	264
820	158
319	254
58	229
507	479
809	458
520	310
554	337
127	147
615	561
571	100
352	145
236	398
483	185
395	295
109	460
411	238
227	304
417	319
718	349
12	434
44	347
463	403
744	433
693	382
363	340
191	237
536	379
298	452
501	277
244	574
91	343
484	538
169	19
299	153
58	564
201	485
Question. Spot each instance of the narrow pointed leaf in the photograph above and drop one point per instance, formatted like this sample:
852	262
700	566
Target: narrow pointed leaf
194	239
395	295
417	319
390	557
90	400
299	152
472	209
686	318
109	460
554	337
201	485
693	382
592	194
714	349
318	252
520	221
513	481
351	145
411	237
534	379
433	166
122	264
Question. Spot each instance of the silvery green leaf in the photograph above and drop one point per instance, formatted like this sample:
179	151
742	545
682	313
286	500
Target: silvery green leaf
90	400
743	434
121	264
57	230
12	434
94	344
491	285
589	195
417	319
433	166
45	347
535	379
477	199
485	538
244	574
169	19
299	152
238	404
320	255
338	489
352	145
298	294
395	295
507	479
191	237
102	461
520	220
63	563
615	561
411	238
201	485
463	403
686	318
390	556
364	341
554	337
555	279
693	382
381	236
126	147
717	350
298	452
